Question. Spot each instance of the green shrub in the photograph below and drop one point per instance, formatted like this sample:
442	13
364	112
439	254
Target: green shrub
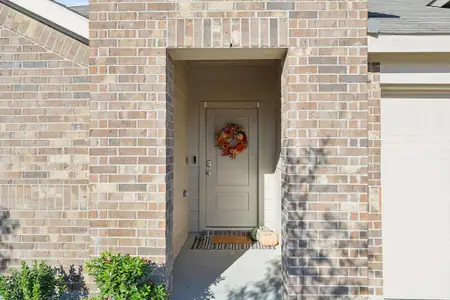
123	277
40	282
10	286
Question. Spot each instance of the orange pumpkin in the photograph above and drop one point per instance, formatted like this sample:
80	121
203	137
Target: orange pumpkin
268	238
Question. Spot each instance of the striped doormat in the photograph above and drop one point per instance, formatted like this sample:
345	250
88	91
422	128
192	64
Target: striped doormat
226	240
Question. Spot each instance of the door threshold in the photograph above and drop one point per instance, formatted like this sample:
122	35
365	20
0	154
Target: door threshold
228	228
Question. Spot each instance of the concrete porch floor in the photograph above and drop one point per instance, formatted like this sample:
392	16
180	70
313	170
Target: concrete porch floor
227	275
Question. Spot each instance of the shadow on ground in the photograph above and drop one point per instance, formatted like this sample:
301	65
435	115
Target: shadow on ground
197	272
225	274
323	246
265	289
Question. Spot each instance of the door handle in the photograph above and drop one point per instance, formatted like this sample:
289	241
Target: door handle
208	173
208	163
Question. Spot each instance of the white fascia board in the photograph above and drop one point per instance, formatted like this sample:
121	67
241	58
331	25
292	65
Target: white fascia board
57	14
409	44
414	78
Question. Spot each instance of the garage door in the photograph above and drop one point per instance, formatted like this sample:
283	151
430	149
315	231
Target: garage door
415	166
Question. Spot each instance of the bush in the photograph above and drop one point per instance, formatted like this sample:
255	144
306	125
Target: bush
75	284
123	277
40	282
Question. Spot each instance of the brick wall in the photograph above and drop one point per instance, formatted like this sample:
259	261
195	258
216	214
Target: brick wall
49	156
324	110
132	115
131	161
44	120
375	221
228	24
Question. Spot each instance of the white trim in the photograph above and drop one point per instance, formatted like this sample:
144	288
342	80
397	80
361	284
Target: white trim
387	90
415	72
57	14
414	78
409	44
201	163
231	104
226	53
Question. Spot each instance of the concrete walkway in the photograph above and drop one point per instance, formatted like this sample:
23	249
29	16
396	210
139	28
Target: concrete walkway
227	275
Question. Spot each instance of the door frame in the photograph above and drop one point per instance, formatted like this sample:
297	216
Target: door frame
202	155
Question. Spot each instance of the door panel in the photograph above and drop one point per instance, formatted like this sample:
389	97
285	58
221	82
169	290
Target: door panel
231	189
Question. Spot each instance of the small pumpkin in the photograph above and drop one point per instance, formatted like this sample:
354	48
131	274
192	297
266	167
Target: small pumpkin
255	233
259	231
268	239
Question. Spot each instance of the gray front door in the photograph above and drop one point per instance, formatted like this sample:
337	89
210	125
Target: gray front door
232	186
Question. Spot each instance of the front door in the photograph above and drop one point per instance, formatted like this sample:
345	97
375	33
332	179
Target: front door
231	184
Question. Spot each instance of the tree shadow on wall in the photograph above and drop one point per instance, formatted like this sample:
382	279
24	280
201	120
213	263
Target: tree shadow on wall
8	227
320	258
73	278
317	244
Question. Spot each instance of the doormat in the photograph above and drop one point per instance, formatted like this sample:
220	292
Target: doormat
217	239
227	242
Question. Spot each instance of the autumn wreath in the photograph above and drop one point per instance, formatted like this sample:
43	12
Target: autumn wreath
231	140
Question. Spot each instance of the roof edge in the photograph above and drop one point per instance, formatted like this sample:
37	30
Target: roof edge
55	16
76	9
439	3
70	8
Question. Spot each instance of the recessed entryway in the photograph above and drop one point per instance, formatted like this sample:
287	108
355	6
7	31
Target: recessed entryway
212	191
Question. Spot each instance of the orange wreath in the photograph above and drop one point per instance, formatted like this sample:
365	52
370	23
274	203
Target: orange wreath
232	133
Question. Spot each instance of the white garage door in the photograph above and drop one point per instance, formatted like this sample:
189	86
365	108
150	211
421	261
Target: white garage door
415	166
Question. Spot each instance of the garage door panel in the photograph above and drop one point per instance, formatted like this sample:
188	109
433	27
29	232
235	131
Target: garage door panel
417	113
415	166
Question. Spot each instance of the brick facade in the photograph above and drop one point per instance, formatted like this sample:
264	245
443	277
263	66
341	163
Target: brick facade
128	72
324	113
44	121
324	107
83	177
131	151
375	225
